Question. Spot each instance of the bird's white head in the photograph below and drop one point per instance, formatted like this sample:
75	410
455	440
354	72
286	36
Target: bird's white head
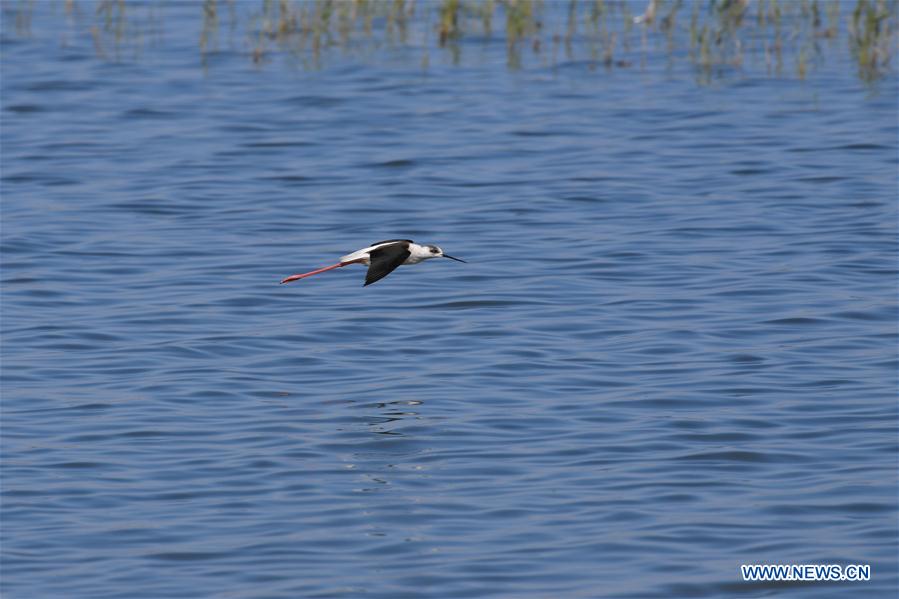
426	252
433	251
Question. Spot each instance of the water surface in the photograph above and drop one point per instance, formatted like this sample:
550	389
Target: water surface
672	352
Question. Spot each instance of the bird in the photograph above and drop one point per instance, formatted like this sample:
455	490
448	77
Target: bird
382	258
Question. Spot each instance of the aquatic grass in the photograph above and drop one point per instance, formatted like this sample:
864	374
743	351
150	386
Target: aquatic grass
872	36
449	21
717	38
522	22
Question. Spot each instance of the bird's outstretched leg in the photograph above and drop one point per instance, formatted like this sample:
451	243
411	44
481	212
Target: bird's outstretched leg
315	272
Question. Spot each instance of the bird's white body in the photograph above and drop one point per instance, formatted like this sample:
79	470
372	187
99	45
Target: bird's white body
417	253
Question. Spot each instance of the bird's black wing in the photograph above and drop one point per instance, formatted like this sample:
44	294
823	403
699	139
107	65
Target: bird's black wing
384	261
392	241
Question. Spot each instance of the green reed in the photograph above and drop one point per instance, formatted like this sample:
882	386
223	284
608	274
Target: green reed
871	37
715	36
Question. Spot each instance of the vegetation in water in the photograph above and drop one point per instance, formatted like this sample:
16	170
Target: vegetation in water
781	37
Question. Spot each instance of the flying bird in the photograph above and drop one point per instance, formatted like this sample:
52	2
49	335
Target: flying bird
382	258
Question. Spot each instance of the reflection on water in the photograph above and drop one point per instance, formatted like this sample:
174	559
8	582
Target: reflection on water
390	416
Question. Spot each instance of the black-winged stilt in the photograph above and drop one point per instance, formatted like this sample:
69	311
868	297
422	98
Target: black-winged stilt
382	258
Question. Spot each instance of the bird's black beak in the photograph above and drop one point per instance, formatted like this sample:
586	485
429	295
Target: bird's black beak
456	259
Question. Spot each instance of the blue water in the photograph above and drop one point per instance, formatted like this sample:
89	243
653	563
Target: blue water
673	350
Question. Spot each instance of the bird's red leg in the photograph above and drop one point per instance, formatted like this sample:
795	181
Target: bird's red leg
315	272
